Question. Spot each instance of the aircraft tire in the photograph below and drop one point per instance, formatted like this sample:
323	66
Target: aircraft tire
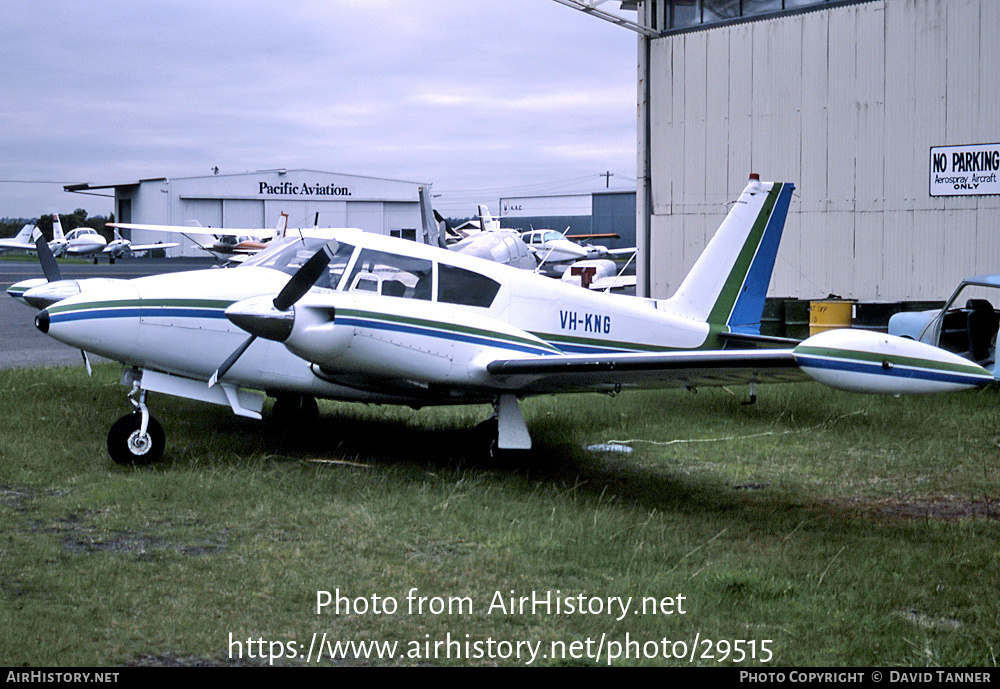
127	447
488	438
295	411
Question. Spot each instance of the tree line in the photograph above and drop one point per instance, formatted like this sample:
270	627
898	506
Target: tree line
71	221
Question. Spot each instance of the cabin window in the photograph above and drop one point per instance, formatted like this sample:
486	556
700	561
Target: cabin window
290	254
465	287
392	275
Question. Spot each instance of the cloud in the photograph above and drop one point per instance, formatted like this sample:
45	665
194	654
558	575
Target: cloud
463	94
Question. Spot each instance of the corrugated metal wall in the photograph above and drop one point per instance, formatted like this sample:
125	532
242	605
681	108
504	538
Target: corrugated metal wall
846	103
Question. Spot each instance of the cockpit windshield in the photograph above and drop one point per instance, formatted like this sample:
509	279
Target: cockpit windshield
291	253
381	272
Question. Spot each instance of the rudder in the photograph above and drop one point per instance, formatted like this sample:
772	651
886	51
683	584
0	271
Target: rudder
728	283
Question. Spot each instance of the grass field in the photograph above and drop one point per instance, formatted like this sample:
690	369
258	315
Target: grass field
813	528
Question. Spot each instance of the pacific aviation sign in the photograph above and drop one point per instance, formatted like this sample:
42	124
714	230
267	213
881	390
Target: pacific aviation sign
293	189
972	170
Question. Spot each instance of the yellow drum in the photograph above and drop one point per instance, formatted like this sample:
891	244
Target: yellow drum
830	315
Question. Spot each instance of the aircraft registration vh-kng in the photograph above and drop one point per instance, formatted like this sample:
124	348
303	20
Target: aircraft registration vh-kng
361	317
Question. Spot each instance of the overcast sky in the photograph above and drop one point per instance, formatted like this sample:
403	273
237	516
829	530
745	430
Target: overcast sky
481	98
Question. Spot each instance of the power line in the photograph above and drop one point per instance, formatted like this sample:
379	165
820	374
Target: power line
29	181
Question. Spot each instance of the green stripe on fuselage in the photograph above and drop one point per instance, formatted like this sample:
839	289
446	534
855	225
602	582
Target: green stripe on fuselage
142	303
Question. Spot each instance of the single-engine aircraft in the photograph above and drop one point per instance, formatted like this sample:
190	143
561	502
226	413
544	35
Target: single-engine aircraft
367	318
222	242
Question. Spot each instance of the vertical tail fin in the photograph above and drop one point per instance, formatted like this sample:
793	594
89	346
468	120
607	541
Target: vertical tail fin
486	221
24	236
729	281
57	231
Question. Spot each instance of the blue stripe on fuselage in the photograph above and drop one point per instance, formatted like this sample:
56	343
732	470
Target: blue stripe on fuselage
136	312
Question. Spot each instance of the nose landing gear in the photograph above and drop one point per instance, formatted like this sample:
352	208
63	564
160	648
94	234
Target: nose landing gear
136	438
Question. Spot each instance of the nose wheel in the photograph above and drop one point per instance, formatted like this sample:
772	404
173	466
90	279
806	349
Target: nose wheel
136	438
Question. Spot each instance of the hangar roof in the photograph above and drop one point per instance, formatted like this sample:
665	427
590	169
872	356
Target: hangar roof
85	187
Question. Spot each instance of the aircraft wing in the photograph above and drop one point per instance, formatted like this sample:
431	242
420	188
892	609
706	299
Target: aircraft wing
582	372
626	251
613	282
10	244
194	229
148	247
600	235
198	235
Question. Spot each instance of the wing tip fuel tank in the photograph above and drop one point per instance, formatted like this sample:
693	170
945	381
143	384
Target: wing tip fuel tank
871	362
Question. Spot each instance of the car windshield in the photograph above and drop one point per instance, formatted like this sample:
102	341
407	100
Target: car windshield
291	253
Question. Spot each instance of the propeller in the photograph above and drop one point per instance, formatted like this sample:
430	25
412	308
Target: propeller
52	273
49	266
305	277
296	287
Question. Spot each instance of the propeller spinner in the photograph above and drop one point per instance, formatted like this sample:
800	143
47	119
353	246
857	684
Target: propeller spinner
273	319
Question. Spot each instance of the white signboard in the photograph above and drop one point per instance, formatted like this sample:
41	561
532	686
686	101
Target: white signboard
546	206
972	170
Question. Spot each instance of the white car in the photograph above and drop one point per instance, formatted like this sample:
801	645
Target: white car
967	325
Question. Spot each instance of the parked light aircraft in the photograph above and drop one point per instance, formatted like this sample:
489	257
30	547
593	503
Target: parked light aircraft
556	252
220	241
491	242
120	247
83	241
543	251
23	240
367	318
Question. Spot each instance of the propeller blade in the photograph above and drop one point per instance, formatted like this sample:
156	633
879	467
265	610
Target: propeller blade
228	363
48	261
305	277
300	283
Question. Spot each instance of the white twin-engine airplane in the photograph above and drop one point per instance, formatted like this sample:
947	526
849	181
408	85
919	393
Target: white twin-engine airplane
367	318
83	241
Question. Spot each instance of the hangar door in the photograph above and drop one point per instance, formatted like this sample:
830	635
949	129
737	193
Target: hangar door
243	213
206	212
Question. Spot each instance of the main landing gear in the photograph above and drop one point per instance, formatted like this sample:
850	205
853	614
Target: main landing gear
292	410
136	438
505	430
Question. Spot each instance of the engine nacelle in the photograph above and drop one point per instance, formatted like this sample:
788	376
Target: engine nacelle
410	339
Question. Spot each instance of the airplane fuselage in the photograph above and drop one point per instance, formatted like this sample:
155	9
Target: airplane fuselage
370	346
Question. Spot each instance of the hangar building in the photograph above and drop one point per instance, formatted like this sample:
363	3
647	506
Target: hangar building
882	112
256	200
599	212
